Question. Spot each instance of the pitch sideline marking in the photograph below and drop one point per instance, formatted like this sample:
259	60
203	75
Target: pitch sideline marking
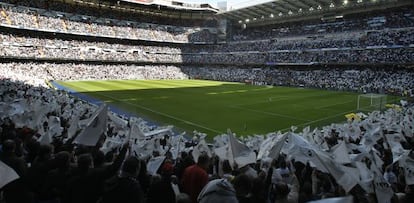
167	115
160	113
164	114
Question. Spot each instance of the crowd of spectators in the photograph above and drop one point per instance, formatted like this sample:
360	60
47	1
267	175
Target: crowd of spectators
31	18
392	80
397	18
387	46
62	171
37	73
62	6
390	37
388	80
116	169
390	42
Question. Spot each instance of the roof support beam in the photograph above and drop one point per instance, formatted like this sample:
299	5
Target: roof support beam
263	13
255	12
283	6
314	3
272	11
299	3
245	16
279	7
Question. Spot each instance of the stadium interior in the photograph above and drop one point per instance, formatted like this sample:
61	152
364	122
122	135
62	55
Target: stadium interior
58	57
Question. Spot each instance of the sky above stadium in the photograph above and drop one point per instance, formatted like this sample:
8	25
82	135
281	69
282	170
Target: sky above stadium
234	4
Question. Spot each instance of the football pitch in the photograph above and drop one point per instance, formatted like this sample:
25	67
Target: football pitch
212	107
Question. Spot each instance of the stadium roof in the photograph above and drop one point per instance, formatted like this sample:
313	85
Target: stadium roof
293	10
165	8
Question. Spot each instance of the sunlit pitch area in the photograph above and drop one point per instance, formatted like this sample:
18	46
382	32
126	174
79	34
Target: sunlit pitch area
212	107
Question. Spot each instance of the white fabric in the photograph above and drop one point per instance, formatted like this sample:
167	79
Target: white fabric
7	174
96	126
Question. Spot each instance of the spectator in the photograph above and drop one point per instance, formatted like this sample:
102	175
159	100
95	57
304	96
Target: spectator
195	177
162	191
286	193
125	187
16	191
219	190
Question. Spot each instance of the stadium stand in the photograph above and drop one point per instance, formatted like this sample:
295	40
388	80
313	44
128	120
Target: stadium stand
45	157
54	21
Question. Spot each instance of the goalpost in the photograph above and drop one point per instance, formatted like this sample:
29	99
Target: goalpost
371	102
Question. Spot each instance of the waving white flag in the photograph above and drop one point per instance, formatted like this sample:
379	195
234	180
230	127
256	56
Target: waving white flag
242	154
7	174
347	199
95	127
154	164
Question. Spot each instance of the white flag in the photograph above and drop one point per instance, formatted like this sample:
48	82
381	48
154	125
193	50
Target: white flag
54	126
339	172
145	148
109	145
17	107
96	126
301	150
7	174
222	152
154	164
394	140
277	147
136	132
372	135
118	122
178	144
45	138
347	199
39	113
266	146
340	153
242	154
407	163
200	148
73	126
366	177
383	190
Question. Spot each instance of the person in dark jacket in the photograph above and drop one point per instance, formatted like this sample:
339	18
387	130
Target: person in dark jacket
163	186
125	187
86	182
55	182
17	190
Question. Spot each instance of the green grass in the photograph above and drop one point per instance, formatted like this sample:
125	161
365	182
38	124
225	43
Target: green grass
212	107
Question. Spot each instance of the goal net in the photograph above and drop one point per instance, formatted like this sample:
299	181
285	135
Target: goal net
371	102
